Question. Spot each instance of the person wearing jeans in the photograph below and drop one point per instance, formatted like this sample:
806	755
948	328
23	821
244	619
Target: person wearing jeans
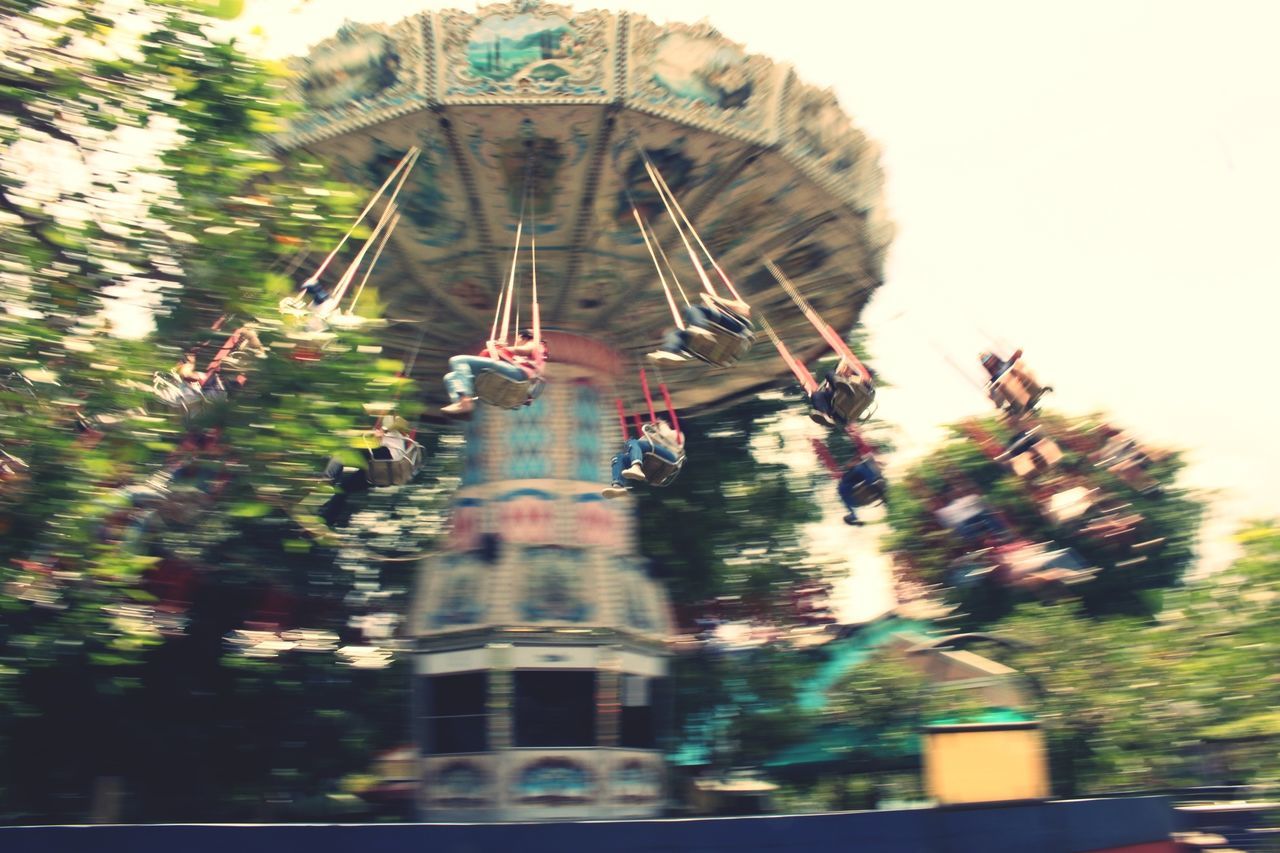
732	317
658	438
460	381
866	472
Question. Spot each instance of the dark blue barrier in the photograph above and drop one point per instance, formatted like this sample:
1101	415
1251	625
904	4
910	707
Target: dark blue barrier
1064	826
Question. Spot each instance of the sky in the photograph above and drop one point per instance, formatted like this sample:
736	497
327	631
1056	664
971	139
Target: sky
1095	182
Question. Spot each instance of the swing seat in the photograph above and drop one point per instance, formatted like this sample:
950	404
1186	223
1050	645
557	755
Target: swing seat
239	361
723	349
14	382
1048	451
1016	391
11	467
1130	463
1024	464
1041	457
173	391
295	308
1070	505
1120	530
497	390
866	494
850	399
389	468
659	472
347	320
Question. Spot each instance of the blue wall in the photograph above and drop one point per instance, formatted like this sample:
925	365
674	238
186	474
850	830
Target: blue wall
1068	826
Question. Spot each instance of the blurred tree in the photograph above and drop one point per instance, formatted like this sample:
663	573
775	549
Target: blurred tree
1132	568
1187	698
136	187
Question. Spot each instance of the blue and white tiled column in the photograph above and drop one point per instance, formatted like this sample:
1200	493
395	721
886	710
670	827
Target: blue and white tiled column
540	571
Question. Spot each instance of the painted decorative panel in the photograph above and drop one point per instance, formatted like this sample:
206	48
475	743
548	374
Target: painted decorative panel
467	523
637	599
476	453
597	521
361	75
431	201
824	140
557	586
466	782
526	516
456	591
693	73
527	50
553	780
587	451
634	779
526	440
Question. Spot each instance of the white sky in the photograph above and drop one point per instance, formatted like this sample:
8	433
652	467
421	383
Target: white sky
1096	182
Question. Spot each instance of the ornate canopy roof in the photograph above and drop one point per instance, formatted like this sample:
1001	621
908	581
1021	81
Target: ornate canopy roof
765	164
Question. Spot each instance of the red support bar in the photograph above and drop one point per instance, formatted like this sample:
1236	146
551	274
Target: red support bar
648	397
826	458
232	341
622	419
671	408
859	443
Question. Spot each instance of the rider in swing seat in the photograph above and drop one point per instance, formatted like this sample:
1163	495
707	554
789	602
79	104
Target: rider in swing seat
996	366
732	315
823	397
306	313
861	478
190	373
315	291
656	437
1020	399
198	384
518	363
862	483
250	342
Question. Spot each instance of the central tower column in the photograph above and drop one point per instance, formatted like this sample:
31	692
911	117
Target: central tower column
540	638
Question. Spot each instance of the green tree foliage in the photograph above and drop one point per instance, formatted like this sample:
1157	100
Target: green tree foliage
1132	568
1131	704
1125	703
115	605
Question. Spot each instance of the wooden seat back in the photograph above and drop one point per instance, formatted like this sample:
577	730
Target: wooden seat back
850	399
1048	451
497	390
1016	391
723	350
866	494
660	472
393	469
